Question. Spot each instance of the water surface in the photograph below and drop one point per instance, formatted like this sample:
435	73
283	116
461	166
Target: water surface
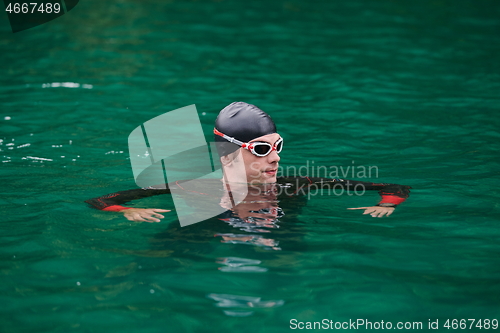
409	87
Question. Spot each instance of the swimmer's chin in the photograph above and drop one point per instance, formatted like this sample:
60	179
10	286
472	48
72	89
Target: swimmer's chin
269	178
257	182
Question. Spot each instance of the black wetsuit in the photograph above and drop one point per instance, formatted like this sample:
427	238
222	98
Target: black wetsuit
392	194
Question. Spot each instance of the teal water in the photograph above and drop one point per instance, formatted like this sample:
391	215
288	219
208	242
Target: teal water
410	87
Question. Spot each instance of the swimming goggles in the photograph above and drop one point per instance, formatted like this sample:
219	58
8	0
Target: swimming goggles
257	148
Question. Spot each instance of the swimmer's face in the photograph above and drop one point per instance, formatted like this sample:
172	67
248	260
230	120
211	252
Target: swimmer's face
261	170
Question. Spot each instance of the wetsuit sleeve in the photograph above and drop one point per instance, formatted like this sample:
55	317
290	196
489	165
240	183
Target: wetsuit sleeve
113	202
391	194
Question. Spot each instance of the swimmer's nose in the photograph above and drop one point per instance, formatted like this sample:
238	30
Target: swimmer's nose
273	157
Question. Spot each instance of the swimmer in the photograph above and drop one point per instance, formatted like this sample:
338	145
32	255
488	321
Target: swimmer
249	146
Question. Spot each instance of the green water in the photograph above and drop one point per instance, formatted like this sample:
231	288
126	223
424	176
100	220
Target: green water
411	87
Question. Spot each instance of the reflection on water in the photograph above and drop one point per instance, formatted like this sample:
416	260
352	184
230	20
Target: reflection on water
65	85
411	87
257	213
242	302
208	256
256	240
233	264
255	220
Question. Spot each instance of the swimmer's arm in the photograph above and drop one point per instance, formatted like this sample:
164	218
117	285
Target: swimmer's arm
392	194
114	202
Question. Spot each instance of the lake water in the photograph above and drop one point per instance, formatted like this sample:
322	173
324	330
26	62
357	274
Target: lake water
411	87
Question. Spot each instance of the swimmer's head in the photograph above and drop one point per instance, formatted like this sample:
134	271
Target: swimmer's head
245	126
241	121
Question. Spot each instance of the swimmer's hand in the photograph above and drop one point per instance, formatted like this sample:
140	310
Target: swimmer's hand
143	214
377	211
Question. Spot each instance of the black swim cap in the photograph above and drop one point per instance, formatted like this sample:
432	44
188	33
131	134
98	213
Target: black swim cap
243	122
